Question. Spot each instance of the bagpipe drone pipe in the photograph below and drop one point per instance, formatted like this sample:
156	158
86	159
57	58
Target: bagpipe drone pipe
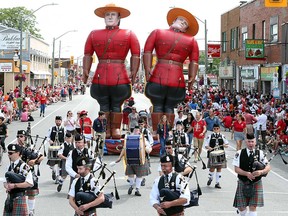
82	198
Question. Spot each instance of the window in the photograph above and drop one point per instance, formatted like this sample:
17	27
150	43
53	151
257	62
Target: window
274	29
224	42
244	36
263	29
253	31
234	39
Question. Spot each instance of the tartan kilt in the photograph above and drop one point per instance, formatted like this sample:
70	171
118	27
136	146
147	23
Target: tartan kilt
20	207
32	192
88	213
256	200
138	170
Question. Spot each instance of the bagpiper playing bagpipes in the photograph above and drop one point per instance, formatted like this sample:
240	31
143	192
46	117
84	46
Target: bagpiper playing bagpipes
56	138
86	194
18	179
33	157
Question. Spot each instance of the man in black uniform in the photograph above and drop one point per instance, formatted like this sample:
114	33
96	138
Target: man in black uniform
32	157
66	147
181	139
99	133
56	138
250	165
18	179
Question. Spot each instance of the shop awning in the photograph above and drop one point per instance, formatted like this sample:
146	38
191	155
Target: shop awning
41	74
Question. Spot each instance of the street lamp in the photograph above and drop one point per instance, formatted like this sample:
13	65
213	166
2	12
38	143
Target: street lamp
53	53
210	61
21	39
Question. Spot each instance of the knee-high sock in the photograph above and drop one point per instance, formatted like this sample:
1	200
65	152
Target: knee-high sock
131	181
138	182
210	175
56	169
31	204
252	213
218	176
243	213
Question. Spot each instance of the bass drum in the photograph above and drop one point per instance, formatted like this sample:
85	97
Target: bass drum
134	150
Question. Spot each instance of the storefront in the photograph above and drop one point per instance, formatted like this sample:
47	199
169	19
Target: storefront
249	77
39	78
227	77
266	75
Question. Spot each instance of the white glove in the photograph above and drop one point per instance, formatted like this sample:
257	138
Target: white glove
112	164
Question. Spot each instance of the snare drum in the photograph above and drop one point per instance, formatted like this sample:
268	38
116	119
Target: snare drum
134	150
217	158
53	153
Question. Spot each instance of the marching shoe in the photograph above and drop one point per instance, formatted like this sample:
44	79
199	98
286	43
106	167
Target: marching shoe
137	193
217	186
130	190
209	181
59	187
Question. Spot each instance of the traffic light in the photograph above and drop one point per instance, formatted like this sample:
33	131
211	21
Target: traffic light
71	60
60	63
55	73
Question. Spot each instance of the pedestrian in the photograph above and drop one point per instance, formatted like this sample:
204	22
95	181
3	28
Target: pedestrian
86	127
3	133
99	133
16	203
261	129
165	84
133	119
55	137
239	130
211	120
216	142
250	165
168	196
187	123
111	84
85	182
163	129
63	152
43	102
250	120
70	123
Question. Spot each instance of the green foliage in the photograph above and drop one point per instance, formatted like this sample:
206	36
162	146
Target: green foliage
11	17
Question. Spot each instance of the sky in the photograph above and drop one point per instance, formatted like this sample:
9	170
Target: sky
146	15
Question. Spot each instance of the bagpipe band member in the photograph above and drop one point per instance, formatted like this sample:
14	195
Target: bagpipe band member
63	152
32	157
55	137
168	195
215	141
249	190
18	179
85	183
181	139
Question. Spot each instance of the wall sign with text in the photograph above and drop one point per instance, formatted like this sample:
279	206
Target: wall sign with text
254	49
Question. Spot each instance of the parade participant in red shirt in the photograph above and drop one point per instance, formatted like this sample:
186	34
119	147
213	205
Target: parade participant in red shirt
111	85
239	130
86	125
166	84
281	126
198	127
43	101
227	121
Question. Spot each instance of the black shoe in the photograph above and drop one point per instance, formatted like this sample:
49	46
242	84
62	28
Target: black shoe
59	187
40	114
137	193
217	186
53	175
130	190
209	181
143	182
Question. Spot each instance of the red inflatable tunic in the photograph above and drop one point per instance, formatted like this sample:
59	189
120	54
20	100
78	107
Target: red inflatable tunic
108	71
171	73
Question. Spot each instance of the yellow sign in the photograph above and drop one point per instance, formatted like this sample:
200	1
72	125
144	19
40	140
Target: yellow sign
275	3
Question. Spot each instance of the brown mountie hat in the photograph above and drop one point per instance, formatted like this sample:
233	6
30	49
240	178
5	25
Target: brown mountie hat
101	11
174	13
167	158
21	132
14	147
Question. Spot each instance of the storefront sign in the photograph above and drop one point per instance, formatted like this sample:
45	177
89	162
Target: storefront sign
247	73
11	41
267	73
5	67
214	50
254	49
276	93
226	72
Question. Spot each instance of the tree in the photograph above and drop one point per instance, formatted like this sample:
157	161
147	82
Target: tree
11	17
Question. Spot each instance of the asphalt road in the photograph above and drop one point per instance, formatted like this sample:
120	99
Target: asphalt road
212	202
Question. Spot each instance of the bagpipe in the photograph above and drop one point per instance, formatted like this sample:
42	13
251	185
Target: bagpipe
82	198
